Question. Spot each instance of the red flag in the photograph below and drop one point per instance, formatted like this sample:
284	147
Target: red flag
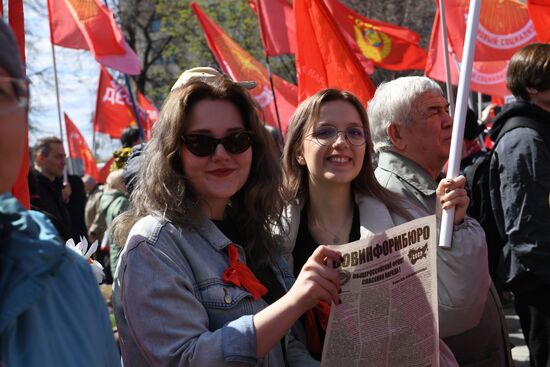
113	108
89	25
488	77
79	149
277	26
150	112
504	27
104	171
240	65
323	57
385	45
539	11
20	188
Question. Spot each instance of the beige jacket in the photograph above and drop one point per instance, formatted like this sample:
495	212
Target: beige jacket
471	319
462	282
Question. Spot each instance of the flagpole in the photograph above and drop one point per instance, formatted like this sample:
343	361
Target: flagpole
447	217
444	40
479	105
57	93
270	76
65	176
134	107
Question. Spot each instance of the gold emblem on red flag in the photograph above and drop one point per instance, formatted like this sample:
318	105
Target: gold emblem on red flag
375	45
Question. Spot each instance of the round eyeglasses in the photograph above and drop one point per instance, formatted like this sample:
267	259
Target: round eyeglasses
203	145
14	94
327	135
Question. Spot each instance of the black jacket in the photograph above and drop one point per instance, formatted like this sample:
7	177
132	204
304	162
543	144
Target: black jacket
46	198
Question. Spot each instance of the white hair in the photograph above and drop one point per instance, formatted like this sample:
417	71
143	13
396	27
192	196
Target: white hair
392	103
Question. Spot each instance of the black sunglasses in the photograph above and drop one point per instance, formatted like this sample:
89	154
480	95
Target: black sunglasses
204	145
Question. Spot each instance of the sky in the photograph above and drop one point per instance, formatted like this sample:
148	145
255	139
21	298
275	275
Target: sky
77	72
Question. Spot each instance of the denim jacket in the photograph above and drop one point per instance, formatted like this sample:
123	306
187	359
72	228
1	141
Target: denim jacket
51	310
173	308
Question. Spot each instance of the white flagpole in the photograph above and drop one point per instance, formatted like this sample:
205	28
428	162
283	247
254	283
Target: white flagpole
447	218
445	41
61	135
479	105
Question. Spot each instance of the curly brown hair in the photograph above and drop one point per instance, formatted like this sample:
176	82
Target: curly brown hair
162	188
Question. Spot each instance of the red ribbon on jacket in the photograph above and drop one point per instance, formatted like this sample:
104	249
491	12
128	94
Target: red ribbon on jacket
240	275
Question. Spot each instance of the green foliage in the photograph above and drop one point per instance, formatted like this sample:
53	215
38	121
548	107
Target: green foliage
188	47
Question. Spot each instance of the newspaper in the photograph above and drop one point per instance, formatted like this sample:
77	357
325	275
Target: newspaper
388	314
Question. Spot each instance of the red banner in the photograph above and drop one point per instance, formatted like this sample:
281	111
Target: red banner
539	11
504	27
113	108
89	25
104	171
385	45
150	112
277	25
488	77
78	148
240	65
20	188
323	57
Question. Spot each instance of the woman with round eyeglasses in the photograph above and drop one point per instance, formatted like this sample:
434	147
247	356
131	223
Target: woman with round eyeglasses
201	280
332	194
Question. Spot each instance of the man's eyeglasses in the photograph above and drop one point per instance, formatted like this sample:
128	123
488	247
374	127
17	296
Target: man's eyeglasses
14	94
204	145
327	135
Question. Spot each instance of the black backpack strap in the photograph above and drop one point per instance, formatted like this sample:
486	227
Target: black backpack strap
521	121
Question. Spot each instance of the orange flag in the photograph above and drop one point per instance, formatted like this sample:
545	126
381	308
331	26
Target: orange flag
385	45
488	77
277	26
79	149
504	27
240	65
150	112
323	58
113	107
89	25
539	11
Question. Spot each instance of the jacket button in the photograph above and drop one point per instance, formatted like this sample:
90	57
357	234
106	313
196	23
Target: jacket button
227	298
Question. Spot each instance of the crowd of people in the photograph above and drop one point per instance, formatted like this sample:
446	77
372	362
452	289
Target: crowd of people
218	230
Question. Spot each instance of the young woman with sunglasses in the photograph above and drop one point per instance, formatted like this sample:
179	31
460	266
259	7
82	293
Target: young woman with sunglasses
332	194
201	281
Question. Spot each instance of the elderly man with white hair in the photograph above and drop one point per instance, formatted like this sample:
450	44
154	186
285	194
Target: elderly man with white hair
411	129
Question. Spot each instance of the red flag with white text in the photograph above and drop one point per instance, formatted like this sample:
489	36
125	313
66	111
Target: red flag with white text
323	57
240	65
78	148
89	25
113	108
278	31
488	77
385	45
504	27
539	11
